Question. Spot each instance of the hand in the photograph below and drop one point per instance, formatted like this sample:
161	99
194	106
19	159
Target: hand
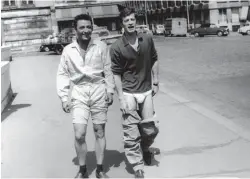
155	89
123	106
66	107
109	98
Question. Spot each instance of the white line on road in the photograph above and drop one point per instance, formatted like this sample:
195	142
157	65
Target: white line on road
243	133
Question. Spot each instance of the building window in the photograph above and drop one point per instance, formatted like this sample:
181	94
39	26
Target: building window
9	3
221	1
148	5
27	2
235	15
196	2
165	5
178	3
223	15
171	3
158	4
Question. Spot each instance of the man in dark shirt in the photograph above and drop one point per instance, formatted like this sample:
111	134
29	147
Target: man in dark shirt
135	69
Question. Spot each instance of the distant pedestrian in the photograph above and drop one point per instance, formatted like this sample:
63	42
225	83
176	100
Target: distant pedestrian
135	68
85	63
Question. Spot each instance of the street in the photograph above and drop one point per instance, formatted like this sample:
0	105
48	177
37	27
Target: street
213	72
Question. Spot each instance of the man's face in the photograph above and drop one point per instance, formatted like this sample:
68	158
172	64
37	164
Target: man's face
129	23
84	29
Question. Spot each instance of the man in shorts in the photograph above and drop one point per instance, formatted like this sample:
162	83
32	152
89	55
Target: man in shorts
85	63
135	68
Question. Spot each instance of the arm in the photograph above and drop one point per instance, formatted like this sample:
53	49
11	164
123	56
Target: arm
109	78
117	68
63	81
155	64
118	84
155	72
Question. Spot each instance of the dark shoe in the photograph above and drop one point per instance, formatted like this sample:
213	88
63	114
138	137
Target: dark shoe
139	174
147	157
82	175
101	175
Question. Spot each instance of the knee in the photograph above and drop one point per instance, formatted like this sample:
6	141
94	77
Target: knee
80	138
100	134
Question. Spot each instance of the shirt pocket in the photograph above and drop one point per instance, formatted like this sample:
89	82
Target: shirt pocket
96	60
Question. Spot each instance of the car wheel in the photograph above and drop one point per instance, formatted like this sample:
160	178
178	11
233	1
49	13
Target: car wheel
219	34
41	49
196	34
248	32
59	49
46	49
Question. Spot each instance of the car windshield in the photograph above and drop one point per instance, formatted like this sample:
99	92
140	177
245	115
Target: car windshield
213	26
204	26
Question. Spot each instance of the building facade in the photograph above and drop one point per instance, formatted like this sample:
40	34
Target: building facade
26	22
223	13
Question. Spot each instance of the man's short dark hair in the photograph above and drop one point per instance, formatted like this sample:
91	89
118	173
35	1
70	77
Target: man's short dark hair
82	17
126	11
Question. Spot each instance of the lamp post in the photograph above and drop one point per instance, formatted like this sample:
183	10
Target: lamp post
146	18
145	12
187	16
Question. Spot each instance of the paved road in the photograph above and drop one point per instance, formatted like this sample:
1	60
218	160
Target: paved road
213	71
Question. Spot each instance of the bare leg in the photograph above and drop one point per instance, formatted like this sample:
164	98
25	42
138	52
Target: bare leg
100	145
80	142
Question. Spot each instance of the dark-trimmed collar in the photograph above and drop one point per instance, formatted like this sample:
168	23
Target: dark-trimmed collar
125	41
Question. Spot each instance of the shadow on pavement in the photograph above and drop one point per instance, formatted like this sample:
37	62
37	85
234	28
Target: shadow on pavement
197	149
112	158
12	108
52	53
221	173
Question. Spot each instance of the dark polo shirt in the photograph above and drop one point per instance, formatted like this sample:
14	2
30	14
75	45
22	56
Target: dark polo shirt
135	67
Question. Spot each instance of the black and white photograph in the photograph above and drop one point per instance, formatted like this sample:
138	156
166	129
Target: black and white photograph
125	89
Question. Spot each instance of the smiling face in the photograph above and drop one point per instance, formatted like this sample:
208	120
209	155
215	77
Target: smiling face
84	29
129	23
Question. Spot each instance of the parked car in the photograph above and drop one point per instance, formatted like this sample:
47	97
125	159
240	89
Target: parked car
209	29
245	30
158	29
48	43
143	29
57	42
110	38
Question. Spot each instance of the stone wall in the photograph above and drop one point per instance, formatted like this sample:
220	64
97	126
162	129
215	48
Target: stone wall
25	27
6	90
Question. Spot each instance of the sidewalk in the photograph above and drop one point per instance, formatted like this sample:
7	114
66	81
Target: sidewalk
25	50
193	145
38	139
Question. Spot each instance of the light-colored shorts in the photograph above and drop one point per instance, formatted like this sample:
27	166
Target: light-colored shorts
89	100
